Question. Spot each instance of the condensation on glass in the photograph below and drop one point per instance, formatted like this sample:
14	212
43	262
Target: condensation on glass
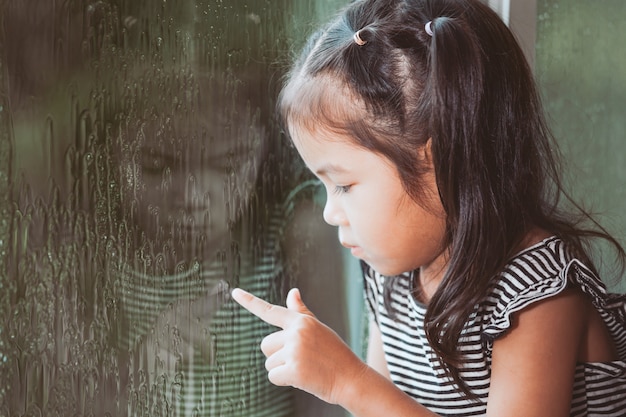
143	174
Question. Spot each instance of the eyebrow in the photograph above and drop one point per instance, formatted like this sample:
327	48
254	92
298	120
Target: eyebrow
330	169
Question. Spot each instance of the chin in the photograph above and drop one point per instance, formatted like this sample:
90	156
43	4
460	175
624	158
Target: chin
387	270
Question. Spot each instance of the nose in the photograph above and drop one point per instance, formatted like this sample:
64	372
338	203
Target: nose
333	213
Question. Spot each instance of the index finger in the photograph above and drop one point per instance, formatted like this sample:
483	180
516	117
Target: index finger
272	314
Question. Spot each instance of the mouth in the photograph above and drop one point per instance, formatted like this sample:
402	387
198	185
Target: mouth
356	251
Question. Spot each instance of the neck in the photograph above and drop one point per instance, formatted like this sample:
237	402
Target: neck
430	276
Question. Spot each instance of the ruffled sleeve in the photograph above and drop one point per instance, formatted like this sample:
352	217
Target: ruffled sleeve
510	297
543	272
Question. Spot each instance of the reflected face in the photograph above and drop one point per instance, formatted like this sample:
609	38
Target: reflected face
376	218
193	180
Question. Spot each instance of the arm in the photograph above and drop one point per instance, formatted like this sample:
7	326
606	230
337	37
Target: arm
533	364
308	355
375	354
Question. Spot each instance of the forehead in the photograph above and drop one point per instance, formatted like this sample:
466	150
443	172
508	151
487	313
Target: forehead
311	103
324	147
314	140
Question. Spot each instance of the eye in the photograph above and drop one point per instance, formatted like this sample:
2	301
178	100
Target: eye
342	189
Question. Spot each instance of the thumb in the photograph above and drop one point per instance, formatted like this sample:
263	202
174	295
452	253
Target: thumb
294	302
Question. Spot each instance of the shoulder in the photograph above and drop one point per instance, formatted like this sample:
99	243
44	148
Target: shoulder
534	364
538	273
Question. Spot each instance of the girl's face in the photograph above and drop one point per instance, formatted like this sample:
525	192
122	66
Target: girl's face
188	190
377	219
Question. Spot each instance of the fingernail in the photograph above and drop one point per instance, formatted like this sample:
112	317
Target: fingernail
234	291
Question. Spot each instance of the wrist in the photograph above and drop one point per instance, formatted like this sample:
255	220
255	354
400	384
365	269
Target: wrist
360	388
367	393
345	383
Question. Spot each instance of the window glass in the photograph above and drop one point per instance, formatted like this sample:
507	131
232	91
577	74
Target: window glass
143	174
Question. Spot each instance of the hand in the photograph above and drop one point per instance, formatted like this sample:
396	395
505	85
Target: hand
305	354
181	332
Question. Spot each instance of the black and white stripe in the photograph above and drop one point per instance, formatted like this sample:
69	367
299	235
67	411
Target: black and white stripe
537	273
223	375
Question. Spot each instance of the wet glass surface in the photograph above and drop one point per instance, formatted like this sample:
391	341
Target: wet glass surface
144	175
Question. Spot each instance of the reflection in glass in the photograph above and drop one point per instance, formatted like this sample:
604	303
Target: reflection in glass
145	176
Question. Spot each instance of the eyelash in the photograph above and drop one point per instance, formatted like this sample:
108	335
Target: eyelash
342	189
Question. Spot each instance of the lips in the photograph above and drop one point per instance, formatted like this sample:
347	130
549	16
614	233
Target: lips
356	251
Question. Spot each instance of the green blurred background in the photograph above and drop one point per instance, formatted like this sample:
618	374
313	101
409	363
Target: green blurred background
580	64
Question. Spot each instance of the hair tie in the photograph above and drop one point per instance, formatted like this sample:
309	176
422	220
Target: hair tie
357	38
428	29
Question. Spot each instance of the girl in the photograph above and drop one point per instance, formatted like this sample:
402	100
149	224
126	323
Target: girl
421	119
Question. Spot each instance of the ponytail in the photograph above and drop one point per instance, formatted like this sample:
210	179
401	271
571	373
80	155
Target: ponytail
467	160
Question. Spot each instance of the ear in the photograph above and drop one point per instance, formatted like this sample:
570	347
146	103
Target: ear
426	153
429	177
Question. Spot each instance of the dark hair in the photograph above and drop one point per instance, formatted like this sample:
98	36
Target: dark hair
469	88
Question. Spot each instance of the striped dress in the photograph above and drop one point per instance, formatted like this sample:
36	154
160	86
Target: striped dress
537	273
195	352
